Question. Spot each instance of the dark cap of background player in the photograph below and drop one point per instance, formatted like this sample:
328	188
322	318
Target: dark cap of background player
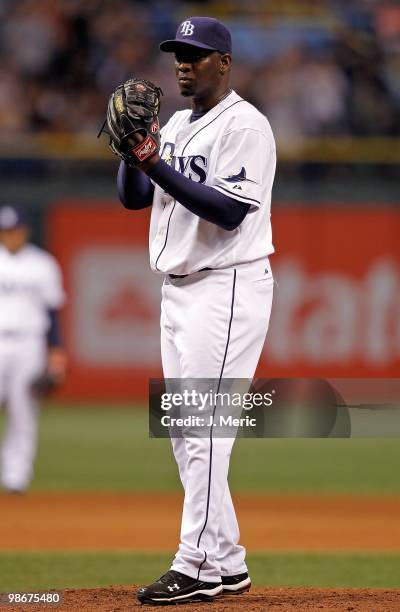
202	32
12	216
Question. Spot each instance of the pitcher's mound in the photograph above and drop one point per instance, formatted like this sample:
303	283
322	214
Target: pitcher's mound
121	599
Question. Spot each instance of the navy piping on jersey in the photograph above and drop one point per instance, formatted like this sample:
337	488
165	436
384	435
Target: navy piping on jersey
211	428
183	150
166	238
212	121
236	195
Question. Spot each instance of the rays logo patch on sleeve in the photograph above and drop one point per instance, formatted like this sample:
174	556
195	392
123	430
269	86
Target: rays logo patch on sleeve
239	178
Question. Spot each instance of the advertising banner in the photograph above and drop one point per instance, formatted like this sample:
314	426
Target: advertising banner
336	309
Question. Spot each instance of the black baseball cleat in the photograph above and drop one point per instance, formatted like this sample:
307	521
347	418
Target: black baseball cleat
174	587
233	585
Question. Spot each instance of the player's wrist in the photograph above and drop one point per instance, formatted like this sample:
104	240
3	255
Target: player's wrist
147	165
57	362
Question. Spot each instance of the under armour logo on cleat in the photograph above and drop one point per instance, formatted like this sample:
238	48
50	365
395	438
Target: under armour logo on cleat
174	587
237	187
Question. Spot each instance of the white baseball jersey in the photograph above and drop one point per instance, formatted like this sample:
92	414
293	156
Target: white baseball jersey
232	149
30	285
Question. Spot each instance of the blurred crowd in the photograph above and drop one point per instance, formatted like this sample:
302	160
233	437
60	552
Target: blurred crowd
331	71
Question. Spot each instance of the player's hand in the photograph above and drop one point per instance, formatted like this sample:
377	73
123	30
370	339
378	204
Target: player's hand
57	363
54	374
148	163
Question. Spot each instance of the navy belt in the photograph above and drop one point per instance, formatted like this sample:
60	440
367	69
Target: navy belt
185	275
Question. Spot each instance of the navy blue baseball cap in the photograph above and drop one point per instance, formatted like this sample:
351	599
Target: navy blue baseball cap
11	217
202	32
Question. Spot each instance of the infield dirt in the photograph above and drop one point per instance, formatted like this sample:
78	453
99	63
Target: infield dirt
89	521
82	521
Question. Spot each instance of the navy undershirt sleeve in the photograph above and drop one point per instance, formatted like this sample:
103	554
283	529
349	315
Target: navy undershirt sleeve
202	200
135	189
54	333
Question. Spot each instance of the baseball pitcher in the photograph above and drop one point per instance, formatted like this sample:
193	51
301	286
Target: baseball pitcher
208	177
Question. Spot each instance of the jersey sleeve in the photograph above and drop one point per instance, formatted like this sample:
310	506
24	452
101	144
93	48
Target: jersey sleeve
241	165
52	287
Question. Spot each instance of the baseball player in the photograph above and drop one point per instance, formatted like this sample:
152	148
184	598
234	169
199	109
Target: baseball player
208	179
31	294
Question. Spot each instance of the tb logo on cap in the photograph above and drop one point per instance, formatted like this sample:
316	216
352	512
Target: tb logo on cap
187	28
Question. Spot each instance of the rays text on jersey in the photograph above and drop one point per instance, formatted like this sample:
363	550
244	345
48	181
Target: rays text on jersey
192	166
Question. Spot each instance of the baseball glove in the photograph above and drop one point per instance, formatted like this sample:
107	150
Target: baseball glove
133	109
45	383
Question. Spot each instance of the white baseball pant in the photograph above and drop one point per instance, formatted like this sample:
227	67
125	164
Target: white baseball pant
22	359
213	325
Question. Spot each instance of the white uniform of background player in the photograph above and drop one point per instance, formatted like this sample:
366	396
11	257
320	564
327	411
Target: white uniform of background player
30	287
214	322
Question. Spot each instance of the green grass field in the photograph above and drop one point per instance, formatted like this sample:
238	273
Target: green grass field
81	570
100	449
85	448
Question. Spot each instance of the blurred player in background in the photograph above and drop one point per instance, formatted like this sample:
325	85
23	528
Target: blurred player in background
31	355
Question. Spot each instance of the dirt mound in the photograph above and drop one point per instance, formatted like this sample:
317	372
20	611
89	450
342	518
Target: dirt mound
121	599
